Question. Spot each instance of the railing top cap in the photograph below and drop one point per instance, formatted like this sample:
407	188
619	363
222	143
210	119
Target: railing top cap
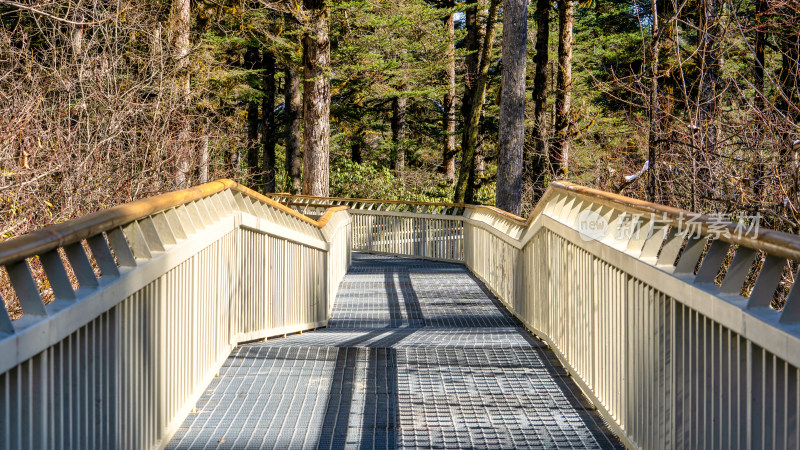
777	243
486	208
75	230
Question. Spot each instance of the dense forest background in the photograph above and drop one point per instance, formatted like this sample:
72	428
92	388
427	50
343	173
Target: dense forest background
690	103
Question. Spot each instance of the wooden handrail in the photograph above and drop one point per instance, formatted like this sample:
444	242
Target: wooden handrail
51	237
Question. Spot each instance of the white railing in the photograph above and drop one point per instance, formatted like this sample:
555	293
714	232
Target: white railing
652	325
148	299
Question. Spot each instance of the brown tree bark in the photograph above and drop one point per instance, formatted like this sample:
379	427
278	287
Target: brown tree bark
559	152
538	160
512	106
316	99
472	121
268	124
293	101
251	63
399	135
449	103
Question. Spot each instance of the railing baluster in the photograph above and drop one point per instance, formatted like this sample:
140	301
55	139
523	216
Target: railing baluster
81	265
576	208
563	204
121	247
200	214
737	271
767	282
691	255
712	262
653	243
210	205
791	309
57	275
258	209
174	223
136	241
642	228
244	205
229	200
611	236
550	206
218	207
30	300
197	216
102	256
163	229
185	218
672	247
151	235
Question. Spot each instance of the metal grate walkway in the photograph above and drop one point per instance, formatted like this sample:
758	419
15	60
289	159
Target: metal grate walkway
417	354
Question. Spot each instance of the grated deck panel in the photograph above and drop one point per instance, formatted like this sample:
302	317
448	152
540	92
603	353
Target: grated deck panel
417	355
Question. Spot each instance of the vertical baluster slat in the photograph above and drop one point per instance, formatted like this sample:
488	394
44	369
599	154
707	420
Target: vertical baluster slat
30	300
102	256
57	275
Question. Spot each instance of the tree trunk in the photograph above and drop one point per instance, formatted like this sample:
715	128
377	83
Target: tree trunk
472	122
559	154
449	103
268	124
251	63
473	42
512	106
653	134
180	24
357	145
316	99
293	102
538	165
707	108
787	103
399	135
758	100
